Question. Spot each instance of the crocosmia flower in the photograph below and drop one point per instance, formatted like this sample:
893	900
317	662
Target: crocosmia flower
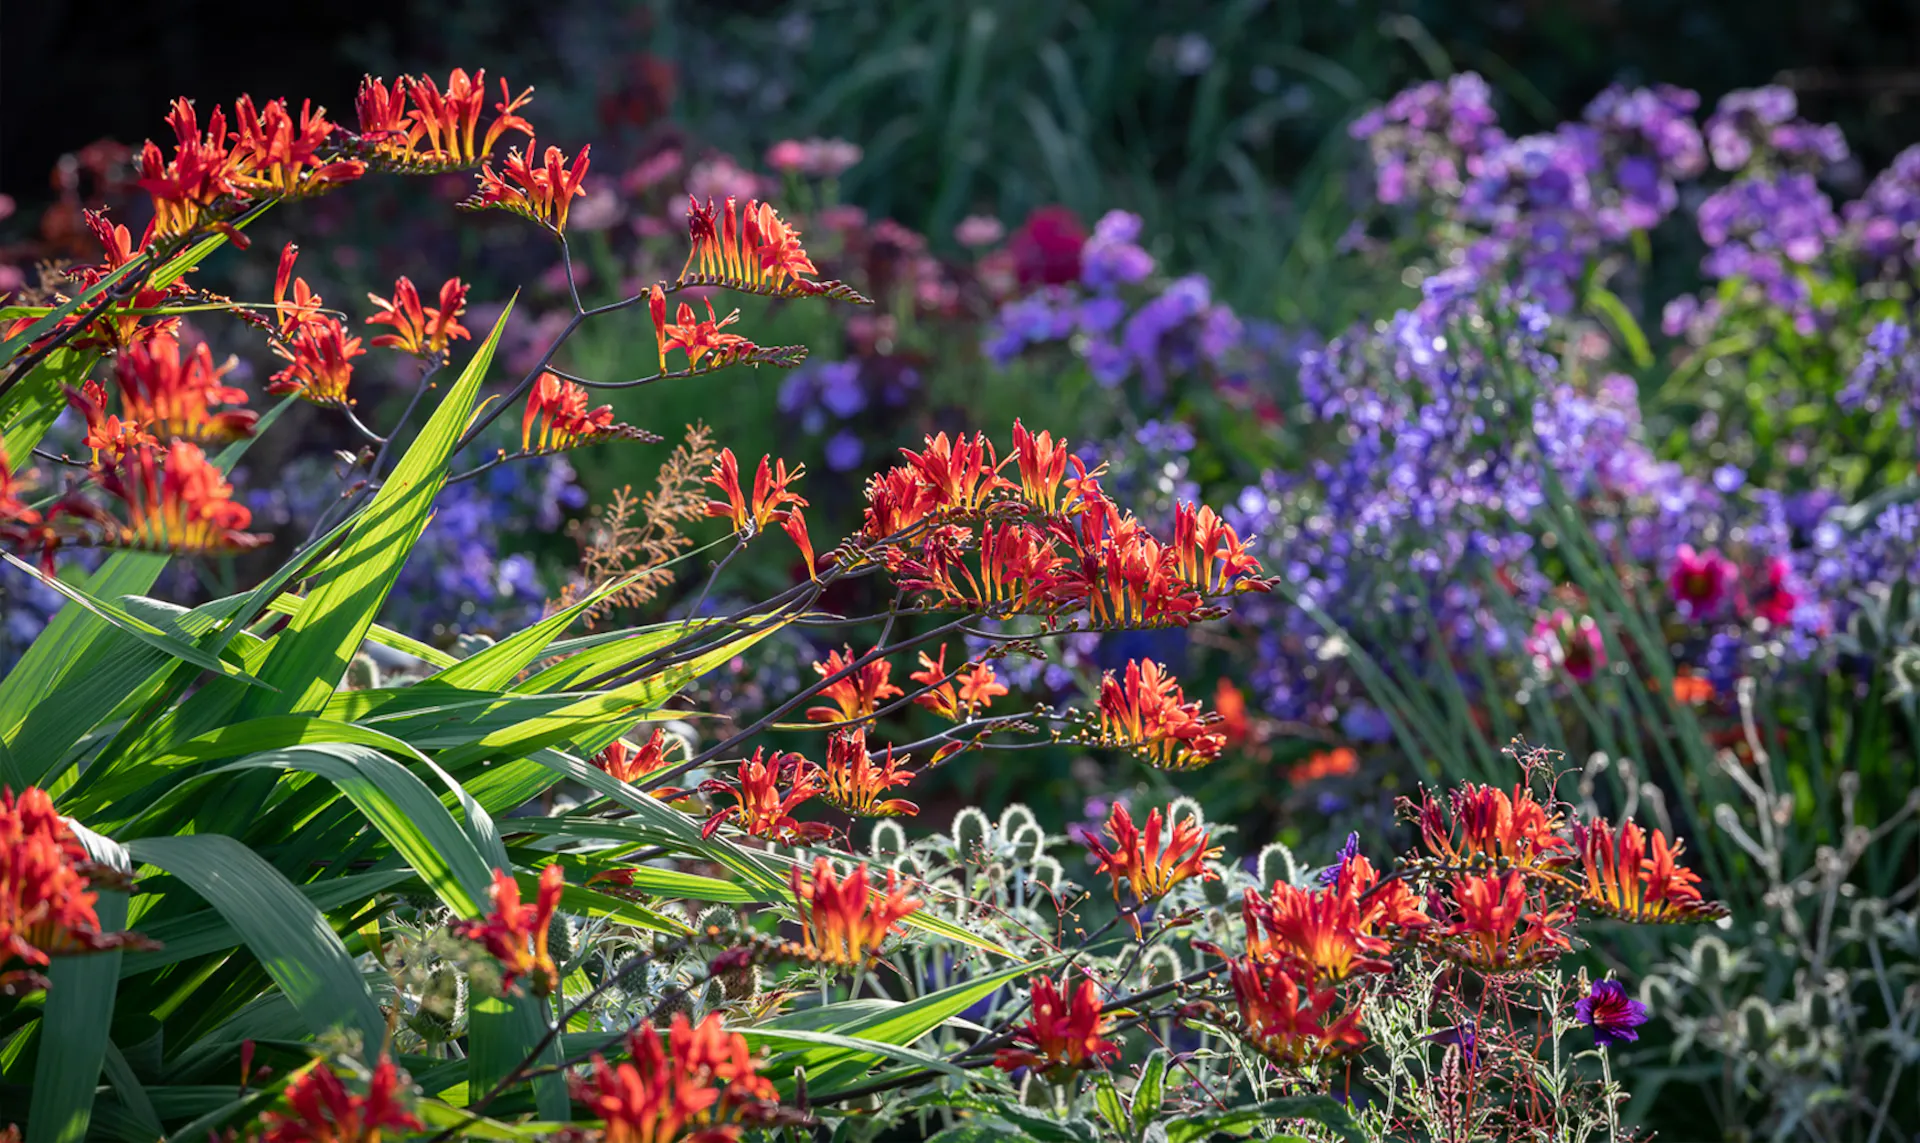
198	182
320	1109
1700	581
857	783
172	395
275	155
1501	923
978	687
175	500
1151	861
630	764
1290	1021
540	192
761	807
753	250
441	130
1611	1013
558	418
1146	711
46	895
859	694
703	1085
1065	1032
516	934
423	331
1482	825
1631	876
846	920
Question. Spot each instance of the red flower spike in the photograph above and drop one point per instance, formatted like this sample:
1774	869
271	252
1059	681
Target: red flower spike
630	764
755	250
197	182
171	397
46	899
1149	863
541	193
304	306
176	501
1123	575
1482	825
319	358
896	502
1210	555
423	331
274	155
857	784
1064	1034
1148	714
321	1110
557	418
963	474
1630	881
795	525
516	935
1503	924
1043	464
1332	933
703	1085
700	338
1289	1022
859	694
977	688
442	131
770	493
760	808
846	920
107	435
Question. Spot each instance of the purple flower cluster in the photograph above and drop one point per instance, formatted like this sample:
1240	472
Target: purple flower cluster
1888	376
1765	230
1760	126
1884	223
1429	139
830	397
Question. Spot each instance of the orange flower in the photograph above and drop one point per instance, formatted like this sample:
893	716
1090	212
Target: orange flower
183	505
1323	933
1502	924
1691	689
320	1109
698	338
896	501
125	322
273	154
106	433
557	418
1626	882
978	687
448	124
759	807
1121	573
171	397
1231	702
964	475
197	183
1209	553
542	193
1042	463
846	921
770	492
1481	825
859	694
795	526
420	330
304	306
1148	714
46	901
508	931
1148	868
754	250
630	764
703	1085
1064	1034
1291	1025
857	784
319	359
1336	763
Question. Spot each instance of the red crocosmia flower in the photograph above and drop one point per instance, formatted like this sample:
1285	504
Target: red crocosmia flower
14	510
170	396
770	492
176	501
1017	574
963	474
320	1109
859	694
291	313
123	323
1339	762
630	764
1630	880
1209	553
1043	464
845	921
896	502
198	182
1291	1023
753	250
857	783
421	330
442	130
1337	930
1064	1033
795	526
1152	861
1502	924
1121	573
699	338
557	418
107	435
760	808
703	1085
541	193
977	687
1482	825
319	357
1046	248
46	900
1149	714
517	935
1700	581
276	156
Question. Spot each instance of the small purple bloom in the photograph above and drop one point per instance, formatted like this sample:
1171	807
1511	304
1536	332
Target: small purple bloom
1611	1013
1346	853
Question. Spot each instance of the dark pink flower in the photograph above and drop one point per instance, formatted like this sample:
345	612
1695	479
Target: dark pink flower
1699	580
1046	248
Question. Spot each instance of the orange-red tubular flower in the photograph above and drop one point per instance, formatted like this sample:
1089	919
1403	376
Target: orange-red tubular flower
1149	714
1502	923
1149	863
557	418
857	695
700	338
1065	1033
1481	825
423	331
770	492
897	500
755	250
703	1085
198	181
1289	1021
276	156
108	436
630	764
963	474
319	357
1042	463
320	1109
515	934
760	807
120	324
1335	932
977	690
46	900
176	501
541	193
1626	881
857	784
845	921
795	526
171	396
442	130
1209	553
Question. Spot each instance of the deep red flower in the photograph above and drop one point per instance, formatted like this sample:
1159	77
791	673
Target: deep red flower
542	192
1778	599
1152	861
857	784
320	1109
771	494
1149	714
1210	555
897	500
1017	573
1631	881
963	474
752	249
859	694
175	500
1700	581
760	807
702	1085
1046	248
516	935
424	331
1502	923
1290	1021
197	181
46	896
170	396
1063	1033
319	360
846	920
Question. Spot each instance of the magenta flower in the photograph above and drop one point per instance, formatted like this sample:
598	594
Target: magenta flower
1560	640
1700	580
1611	1013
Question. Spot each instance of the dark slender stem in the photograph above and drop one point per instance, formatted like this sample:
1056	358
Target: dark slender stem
43	454
406	414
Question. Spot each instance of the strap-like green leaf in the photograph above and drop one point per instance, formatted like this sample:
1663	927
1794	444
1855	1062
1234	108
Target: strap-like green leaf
199	933
288	936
